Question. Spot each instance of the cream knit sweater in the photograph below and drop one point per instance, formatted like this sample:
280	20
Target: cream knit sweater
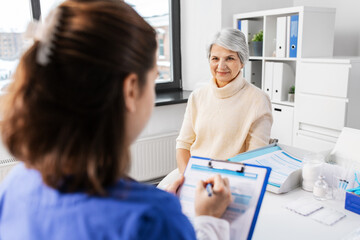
222	122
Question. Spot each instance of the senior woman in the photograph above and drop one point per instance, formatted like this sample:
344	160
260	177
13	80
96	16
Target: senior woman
229	116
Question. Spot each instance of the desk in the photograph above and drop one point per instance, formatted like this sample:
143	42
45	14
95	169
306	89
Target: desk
277	222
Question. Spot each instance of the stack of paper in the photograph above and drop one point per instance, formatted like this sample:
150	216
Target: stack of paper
304	206
314	209
328	216
247	184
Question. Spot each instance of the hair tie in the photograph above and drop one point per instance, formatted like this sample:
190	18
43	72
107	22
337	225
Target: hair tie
45	34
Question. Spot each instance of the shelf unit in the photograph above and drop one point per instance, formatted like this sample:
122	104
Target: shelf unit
315	38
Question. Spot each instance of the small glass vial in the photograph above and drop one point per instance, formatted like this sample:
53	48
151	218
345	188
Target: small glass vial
321	188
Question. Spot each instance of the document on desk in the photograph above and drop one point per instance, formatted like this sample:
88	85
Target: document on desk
285	169
247	183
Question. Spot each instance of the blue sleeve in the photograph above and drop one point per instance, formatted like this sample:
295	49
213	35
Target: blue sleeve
4	185
165	221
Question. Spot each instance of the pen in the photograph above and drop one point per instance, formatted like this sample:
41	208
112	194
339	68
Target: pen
209	189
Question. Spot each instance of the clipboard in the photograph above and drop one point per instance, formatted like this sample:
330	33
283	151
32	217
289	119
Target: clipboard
247	183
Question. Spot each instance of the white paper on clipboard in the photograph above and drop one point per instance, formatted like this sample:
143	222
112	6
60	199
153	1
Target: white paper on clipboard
247	189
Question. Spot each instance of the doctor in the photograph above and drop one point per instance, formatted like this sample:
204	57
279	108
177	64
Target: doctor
81	95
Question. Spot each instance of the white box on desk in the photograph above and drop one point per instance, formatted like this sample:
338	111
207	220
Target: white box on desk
285	162
294	179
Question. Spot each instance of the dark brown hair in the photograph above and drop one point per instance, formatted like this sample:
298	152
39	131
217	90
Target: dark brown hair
66	119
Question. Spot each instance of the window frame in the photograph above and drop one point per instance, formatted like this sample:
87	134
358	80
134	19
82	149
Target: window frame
161	48
175	52
35	9
175	58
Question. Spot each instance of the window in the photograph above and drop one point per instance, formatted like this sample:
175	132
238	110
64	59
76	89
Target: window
163	15
161	48
47	5
12	43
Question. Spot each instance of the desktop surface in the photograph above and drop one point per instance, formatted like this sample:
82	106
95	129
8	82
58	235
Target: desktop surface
277	222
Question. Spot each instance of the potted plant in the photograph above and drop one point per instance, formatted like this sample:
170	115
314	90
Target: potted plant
291	95
257	43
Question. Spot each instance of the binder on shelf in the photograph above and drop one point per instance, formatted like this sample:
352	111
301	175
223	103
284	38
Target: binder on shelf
281	37
252	72
294	23
249	27
268	81
239	24
287	36
243	25
247	182
283	78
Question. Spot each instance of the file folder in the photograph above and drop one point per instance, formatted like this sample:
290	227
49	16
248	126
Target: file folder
280	37
249	28
283	79
248	184
287	36
252	73
268	81
244	27
294	23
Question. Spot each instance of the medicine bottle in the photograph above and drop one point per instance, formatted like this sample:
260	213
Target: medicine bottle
321	188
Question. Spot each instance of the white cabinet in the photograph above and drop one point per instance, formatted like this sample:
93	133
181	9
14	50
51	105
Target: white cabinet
314	35
327	99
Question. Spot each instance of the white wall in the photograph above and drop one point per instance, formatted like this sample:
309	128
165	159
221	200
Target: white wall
347	24
201	19
164	119
230	7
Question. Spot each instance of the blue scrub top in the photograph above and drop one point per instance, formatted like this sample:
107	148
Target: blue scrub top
31	210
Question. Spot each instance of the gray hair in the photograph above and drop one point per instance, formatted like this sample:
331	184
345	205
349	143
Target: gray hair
232	39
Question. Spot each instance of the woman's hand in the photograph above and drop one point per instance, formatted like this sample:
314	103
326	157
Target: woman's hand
216	204
173	187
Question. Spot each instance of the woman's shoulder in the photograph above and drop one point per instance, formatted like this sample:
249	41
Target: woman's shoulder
257	93
200	93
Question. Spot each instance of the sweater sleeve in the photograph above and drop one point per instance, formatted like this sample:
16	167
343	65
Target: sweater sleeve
259	132
187	134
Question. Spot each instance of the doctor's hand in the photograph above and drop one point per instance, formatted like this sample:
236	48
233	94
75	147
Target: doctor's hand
216	204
